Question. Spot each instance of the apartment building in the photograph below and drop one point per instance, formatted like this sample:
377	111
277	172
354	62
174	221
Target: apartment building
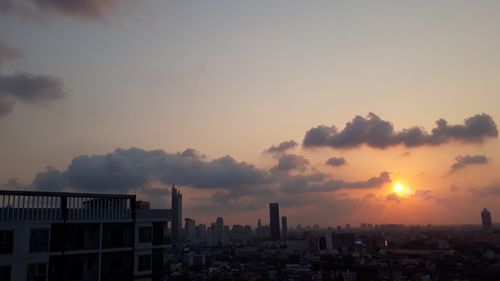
81	237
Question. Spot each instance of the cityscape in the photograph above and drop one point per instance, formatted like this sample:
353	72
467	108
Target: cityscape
280	140
83	236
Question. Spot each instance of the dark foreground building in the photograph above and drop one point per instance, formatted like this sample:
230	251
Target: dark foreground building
81	236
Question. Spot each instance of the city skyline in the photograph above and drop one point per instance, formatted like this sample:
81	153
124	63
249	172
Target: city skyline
342	113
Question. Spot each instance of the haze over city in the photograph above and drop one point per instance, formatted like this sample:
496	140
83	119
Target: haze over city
343	112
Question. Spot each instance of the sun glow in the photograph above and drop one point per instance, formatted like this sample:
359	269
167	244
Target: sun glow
401	189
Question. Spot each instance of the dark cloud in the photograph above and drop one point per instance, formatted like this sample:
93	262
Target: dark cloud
190	152
7	52
282	147
126	169
51	179
28	88
320	183
31	88
463	161
377	133
490	190
94	9
290	162
336	161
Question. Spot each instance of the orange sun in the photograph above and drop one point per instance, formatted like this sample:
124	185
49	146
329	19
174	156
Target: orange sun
401	189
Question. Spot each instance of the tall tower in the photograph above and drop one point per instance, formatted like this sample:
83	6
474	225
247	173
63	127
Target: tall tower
274	220
177	214
284	227
486	218
259	229
219	230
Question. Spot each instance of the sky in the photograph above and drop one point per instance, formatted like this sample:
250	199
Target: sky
343	112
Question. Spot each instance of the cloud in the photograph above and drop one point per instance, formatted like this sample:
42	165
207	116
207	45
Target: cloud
282	147
94	9
126	169
31	88
336	161
490	190
28	88
290	162
405	154
6	107
462	162
320	183
393	197
377	133
51	179
14	183
7	52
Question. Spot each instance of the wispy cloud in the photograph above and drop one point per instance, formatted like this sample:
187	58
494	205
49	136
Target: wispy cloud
462	162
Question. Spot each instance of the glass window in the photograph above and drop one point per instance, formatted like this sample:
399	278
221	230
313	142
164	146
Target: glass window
39	240
4	273
37	272
144	234
6	241
144	263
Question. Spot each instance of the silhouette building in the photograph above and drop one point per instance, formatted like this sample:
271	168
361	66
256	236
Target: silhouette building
259	229
274	220
486	219
81	236
176	214
284	227
189	228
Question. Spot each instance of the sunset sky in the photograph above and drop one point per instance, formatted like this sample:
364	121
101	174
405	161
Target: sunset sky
341	111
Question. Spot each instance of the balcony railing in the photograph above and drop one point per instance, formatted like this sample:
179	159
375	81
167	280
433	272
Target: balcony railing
60	206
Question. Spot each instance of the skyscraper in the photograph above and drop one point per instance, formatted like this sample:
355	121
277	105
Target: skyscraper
189	228
486	218
259	229
219	230
177	214
284	227
274	220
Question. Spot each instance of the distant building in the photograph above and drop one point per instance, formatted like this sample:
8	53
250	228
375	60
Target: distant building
284	227
486	219
139	204
201	231
274	220
190	228
259	229
177	214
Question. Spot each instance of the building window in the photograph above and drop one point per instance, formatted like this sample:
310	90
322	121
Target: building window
37	272
144	263
4	273
39	240
144	234
6	241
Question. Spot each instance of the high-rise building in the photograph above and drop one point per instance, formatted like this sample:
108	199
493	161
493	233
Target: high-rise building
177	214
219	230
486	219
284	227
189	228
259	229
274	220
